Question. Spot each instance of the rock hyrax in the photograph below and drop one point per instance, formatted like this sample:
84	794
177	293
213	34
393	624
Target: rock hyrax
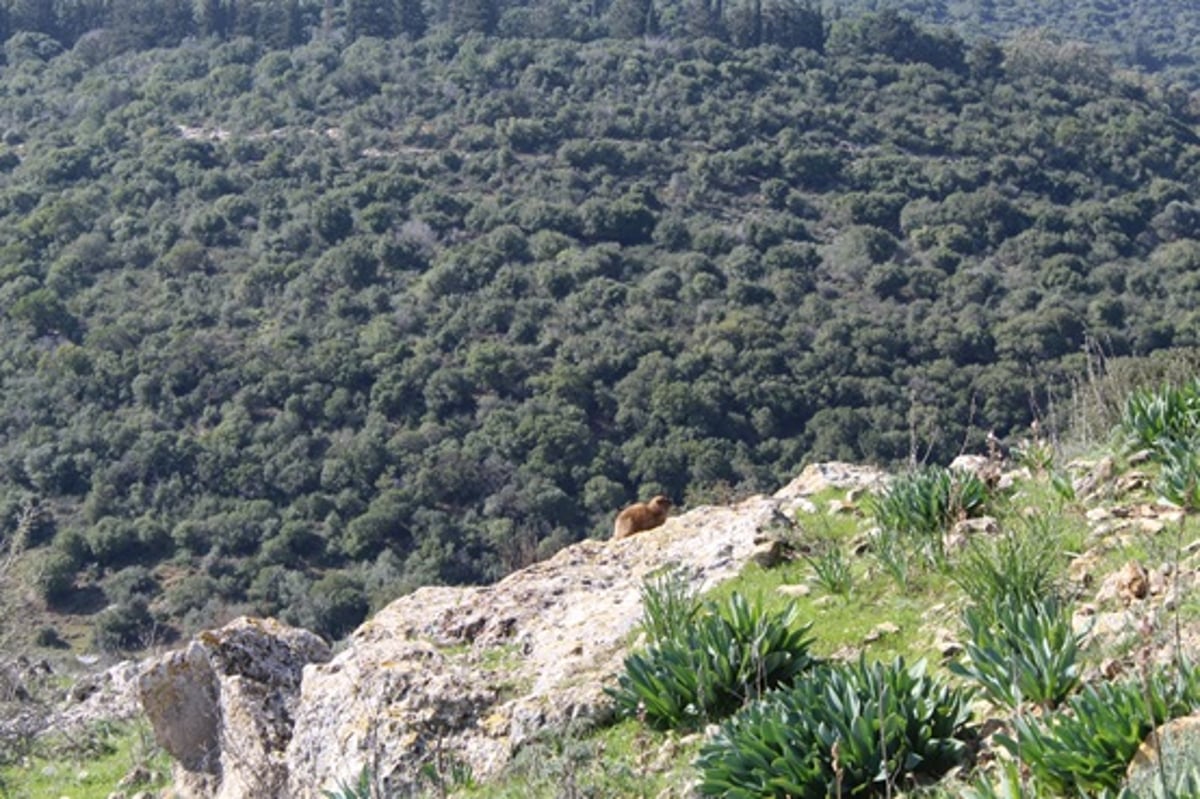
641	516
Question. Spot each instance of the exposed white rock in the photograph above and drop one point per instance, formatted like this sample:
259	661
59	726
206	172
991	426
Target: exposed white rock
223	706
818	477
466	675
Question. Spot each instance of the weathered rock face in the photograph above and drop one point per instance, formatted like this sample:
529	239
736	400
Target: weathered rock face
450	677
223	706
444	678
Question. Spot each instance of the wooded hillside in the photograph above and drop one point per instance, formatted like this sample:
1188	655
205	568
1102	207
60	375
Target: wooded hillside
300	329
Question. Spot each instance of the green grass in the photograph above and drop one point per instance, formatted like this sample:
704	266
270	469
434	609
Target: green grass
88	766
842	623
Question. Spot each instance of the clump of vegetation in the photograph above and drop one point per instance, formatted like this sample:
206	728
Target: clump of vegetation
1020	565
831	570
730	654
1084	748
916	510
669	606
1162	419
1022	652
843	730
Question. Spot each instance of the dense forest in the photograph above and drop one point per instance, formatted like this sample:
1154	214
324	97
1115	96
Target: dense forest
296	317
1154	36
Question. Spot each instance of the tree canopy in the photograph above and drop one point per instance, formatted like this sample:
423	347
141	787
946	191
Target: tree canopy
324	316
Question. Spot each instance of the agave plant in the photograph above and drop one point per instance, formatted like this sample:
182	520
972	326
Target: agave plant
1022	652
1157	419
669	604
732	653
1179	479
852	729
921	506
1084	749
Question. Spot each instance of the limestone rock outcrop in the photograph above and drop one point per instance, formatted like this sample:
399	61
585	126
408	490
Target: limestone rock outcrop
223	706
442	679
460	677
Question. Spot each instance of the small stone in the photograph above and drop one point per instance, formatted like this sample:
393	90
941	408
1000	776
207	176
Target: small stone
1134	481
946	645
1100	474
1098	514
769	554
1158	583
797	590
882	629
861	544
1169	513
837	507
1081	569
1140	457
1152	526
1111	668
138	775
1129	583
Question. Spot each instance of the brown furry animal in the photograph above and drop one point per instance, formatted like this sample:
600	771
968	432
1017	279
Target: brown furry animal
640	517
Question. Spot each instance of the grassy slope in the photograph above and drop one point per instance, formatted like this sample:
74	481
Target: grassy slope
636	761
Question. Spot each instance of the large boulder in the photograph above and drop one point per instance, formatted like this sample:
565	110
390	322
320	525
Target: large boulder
441	682
223	706
456	679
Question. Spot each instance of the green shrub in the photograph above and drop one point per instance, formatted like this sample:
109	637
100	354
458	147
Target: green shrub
731	654
56	576
1020	566
844	730
831	571
1157	419
1022	652
128	625
1086	747
1166	421
48	636
669	606
921	506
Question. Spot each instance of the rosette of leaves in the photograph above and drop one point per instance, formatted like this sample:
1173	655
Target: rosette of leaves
848	729
1085	747
1160	418
732	653
921	506
669	605
1022	652
1179	479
